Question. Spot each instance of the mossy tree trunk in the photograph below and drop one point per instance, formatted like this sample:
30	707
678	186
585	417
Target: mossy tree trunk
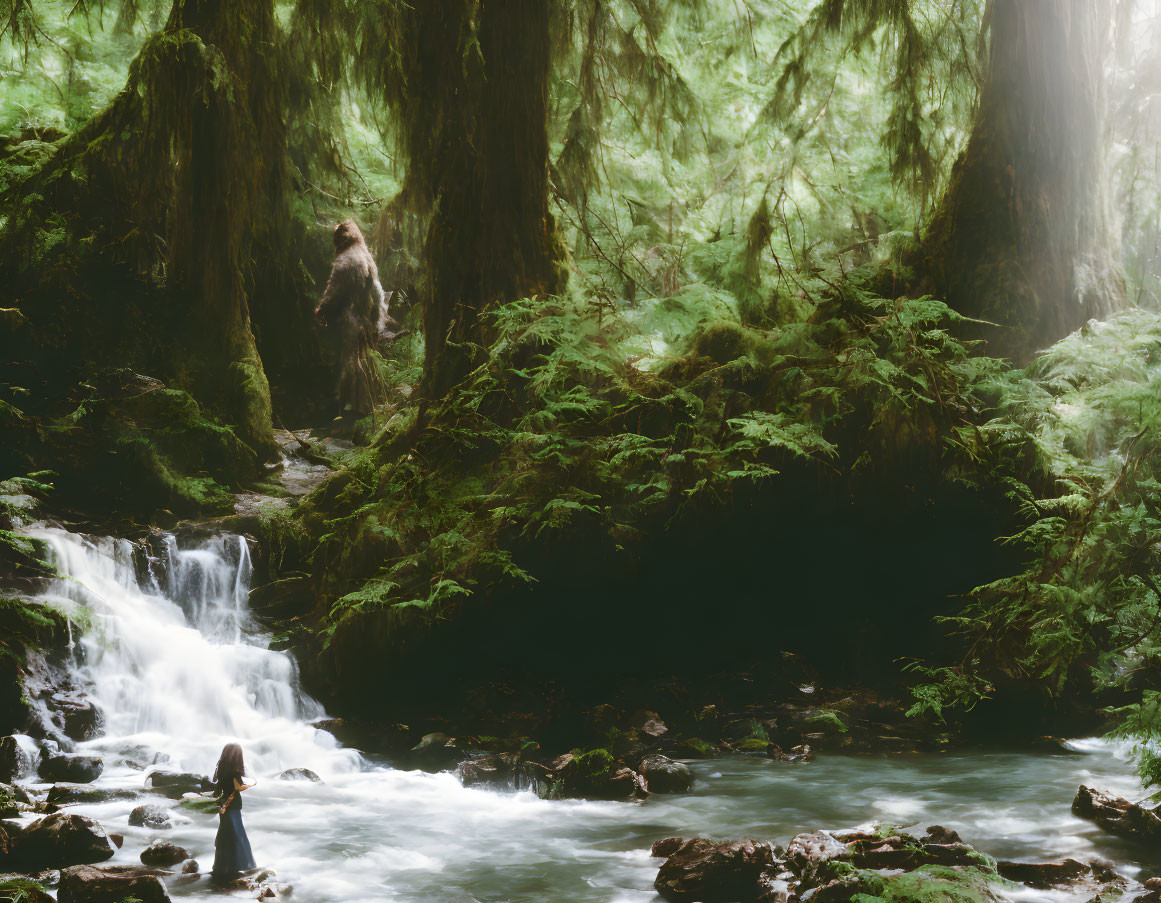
491	237
229	196
141	241
1022	237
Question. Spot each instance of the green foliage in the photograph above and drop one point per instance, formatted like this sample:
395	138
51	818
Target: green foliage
205	806
931	61
132	444
22	890
567	431
26	625
1080	430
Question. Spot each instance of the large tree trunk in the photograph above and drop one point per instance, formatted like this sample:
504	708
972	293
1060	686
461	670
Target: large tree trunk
1022	238
136	244
229	195
491	237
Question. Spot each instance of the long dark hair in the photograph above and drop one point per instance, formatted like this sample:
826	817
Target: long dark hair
230	766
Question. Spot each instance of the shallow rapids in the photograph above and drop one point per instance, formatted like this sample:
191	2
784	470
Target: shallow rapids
179	668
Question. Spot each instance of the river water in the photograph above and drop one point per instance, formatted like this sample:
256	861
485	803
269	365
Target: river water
180	669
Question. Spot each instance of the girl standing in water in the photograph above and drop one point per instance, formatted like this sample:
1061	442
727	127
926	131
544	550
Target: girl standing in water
232	854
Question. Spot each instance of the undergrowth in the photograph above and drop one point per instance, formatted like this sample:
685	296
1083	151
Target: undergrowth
568	427
1085	613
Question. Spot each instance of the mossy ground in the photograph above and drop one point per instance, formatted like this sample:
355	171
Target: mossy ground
121	445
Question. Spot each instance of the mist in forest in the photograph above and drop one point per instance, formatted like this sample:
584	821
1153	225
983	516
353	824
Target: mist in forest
580	449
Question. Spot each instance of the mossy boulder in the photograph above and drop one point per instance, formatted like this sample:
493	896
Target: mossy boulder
710	872
595	774
939	884
206	806
23	555
153	448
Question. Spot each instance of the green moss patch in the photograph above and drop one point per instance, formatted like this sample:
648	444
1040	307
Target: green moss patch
938	884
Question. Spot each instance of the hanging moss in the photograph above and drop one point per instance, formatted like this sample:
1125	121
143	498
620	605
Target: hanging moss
171	194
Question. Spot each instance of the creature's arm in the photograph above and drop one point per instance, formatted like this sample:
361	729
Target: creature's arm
239	786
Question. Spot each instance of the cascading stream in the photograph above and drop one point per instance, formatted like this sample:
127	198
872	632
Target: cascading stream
174	661
180	669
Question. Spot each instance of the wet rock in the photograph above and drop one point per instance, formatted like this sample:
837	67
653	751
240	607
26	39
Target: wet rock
436	752
17	793
70	768
395	740
709	872
1116	815
810	855
86	884
204	805
190	867
596	775
73	794
300	774
176	784
667	847
503	770
940	834
8	806
134	756
282	599
844	887
333	726
151	816
46	877
662	775
9	834
162	852
1044	875
14	761
498	770
59	840
796	754
903	851
118	840
653	726
83	719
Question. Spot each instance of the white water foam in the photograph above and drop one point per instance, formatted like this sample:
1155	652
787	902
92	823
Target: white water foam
180	669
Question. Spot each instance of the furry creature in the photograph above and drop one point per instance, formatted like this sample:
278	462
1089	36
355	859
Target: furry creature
353	308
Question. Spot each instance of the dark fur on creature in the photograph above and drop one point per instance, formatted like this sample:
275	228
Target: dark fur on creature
353	306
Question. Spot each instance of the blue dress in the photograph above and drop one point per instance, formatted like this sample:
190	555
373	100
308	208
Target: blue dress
232	854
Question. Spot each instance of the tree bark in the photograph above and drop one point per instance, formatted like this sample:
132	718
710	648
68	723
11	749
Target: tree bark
228	194
140	241
1022	237
491	237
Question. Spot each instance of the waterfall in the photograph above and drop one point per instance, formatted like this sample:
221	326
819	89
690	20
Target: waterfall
174	658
